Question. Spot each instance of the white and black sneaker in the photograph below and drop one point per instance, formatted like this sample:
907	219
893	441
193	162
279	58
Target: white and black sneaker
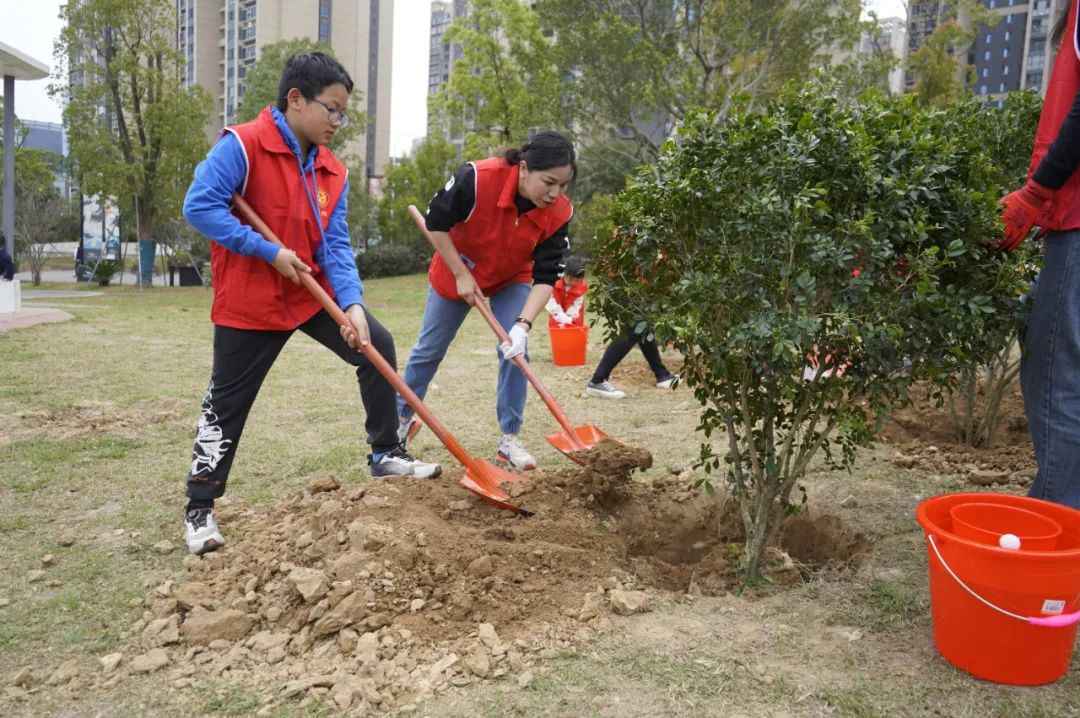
603	389
408	428
397	462
512	453
669	382
201	532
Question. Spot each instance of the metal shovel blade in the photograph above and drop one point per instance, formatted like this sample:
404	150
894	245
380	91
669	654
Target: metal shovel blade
587	436
483	478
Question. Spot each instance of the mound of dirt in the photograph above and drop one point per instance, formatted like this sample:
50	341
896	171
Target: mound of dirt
924	437
369	596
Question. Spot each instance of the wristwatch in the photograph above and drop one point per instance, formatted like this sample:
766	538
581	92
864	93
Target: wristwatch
523	320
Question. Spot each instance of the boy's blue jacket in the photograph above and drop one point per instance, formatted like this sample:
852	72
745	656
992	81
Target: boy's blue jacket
208	203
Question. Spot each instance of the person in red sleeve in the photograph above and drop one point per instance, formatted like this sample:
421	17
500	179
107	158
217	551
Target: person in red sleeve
279	164
567	304
1050	364
501	227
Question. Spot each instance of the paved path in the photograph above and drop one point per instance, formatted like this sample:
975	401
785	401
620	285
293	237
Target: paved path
68	275
29	316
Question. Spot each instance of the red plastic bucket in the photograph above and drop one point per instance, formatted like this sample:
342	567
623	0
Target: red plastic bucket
988	522
984	599
568	345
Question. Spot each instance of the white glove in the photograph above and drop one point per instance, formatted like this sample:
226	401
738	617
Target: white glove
519	342
562	319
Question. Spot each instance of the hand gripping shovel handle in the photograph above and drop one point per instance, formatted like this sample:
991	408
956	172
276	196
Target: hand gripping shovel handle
527	370
368	351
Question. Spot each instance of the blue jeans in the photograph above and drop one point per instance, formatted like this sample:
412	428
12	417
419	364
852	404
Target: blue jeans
1050	371
442	318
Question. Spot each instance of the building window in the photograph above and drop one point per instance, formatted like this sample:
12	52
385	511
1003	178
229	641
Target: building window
1008	19
1008	34
985	72
1004	52
986	55
982	89
1005	70
1001	87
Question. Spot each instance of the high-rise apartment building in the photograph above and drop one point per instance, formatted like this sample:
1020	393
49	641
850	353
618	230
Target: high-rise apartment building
1011	54
220	41
442	55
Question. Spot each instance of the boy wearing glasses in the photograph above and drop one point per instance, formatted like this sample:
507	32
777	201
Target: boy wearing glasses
280	164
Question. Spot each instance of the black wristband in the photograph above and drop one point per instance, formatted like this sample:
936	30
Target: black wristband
523	320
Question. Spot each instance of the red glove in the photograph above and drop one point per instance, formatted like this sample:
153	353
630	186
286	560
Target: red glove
1023	209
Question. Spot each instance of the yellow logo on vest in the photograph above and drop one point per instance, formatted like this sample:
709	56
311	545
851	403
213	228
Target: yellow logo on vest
324	197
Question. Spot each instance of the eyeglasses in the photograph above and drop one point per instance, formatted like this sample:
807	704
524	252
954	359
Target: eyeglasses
335	116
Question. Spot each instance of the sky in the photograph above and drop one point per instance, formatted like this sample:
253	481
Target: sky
33	26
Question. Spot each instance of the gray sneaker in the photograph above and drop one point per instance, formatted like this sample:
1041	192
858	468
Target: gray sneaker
397	462
201	532
603	389
408	428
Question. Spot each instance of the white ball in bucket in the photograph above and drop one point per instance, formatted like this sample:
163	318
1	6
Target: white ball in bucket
1009	541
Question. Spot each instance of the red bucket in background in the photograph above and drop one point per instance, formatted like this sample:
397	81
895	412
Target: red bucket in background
984	598
568	345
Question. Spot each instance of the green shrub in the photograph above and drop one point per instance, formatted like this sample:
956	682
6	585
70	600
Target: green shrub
855	232
393	260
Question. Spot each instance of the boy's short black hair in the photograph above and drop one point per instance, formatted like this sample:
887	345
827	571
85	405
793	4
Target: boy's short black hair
575	267
311	73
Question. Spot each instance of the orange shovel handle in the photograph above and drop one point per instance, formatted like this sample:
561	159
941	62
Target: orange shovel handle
368	351
519	360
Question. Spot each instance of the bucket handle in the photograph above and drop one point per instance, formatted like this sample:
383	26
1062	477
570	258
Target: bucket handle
1061	621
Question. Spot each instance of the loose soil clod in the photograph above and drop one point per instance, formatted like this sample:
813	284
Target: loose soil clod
613	459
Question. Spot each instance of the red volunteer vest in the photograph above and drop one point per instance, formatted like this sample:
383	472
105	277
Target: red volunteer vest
565	297
496	244
1064	212
248	292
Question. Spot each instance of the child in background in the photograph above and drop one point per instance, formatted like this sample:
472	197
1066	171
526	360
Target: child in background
567	304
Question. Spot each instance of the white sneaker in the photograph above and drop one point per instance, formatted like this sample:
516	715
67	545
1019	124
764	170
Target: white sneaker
408	428
398	462
604	389
201	532
670	383
512	453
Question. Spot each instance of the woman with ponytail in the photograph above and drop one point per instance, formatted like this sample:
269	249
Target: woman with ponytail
500	227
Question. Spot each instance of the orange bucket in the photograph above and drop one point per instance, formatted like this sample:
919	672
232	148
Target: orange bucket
1005	615
568	345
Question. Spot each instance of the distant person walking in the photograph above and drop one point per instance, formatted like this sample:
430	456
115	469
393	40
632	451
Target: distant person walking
7	264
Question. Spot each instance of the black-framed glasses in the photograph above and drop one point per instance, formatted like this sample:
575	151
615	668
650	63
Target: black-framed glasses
336	116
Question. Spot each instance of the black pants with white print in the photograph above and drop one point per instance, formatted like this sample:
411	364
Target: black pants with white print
242	359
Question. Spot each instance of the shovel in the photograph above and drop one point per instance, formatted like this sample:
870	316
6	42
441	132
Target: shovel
571	439
481	477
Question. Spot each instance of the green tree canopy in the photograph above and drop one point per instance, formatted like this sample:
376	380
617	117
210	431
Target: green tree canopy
847	238
261	86
639	65
414	180
133	129
505	85
940	67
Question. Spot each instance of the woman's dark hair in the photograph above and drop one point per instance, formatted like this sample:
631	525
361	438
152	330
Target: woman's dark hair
575	266
1060	24
544	151
311	73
